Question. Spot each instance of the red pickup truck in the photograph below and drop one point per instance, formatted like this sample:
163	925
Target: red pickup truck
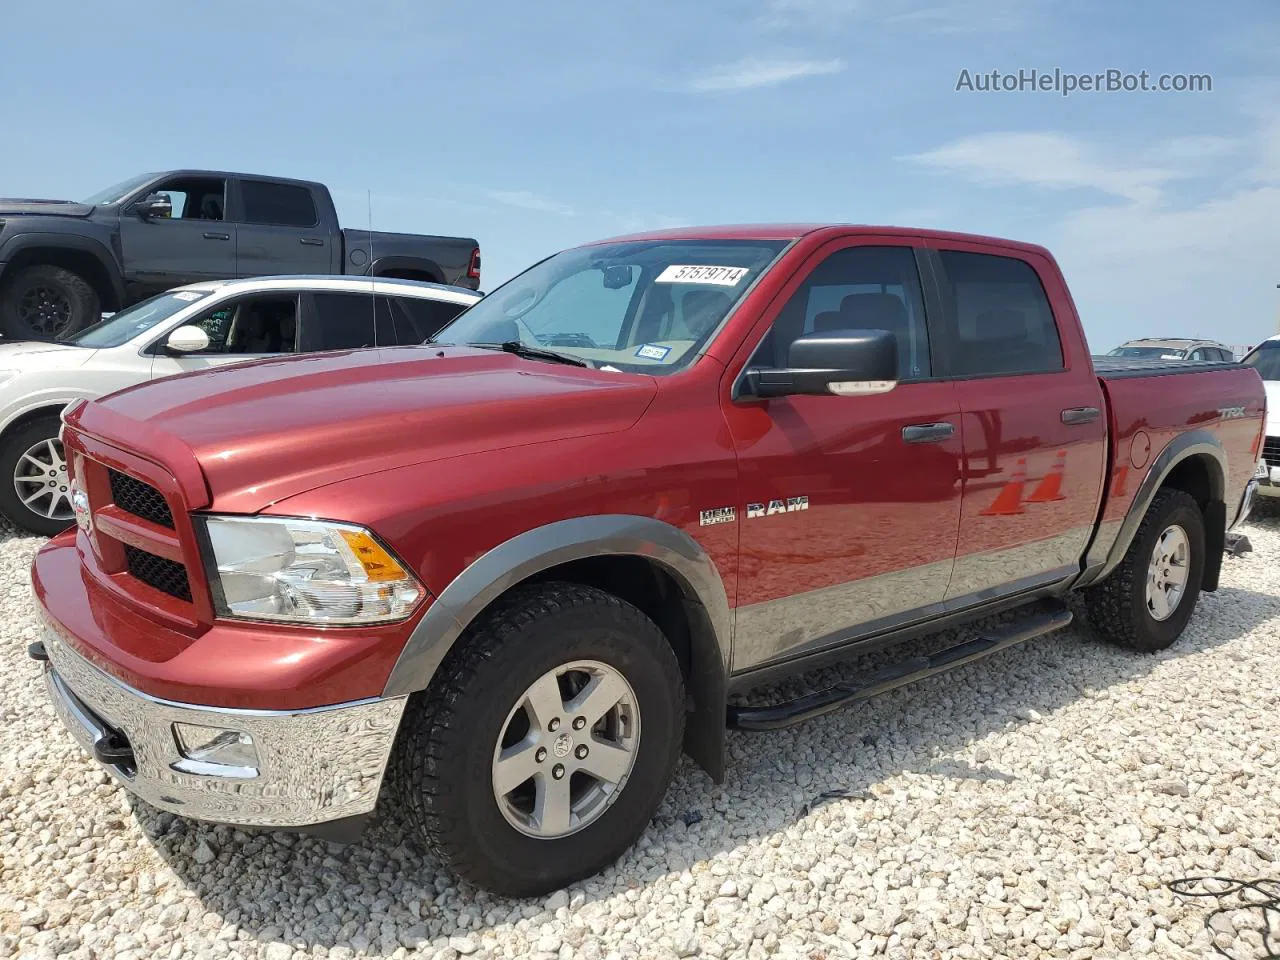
509	575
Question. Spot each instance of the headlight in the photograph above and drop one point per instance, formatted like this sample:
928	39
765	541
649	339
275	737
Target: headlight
306	571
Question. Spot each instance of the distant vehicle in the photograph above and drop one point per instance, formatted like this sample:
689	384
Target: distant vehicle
1265	358
63	264
191	328
1174	349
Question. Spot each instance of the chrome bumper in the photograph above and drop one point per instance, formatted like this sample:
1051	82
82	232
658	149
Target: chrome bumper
1265	482
311	767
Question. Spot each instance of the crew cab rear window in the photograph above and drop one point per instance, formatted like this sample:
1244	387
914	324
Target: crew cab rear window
277	204
1002	321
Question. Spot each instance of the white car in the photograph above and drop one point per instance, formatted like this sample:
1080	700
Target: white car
1265	358
194	327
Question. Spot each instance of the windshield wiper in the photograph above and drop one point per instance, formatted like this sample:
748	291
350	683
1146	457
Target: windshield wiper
532	353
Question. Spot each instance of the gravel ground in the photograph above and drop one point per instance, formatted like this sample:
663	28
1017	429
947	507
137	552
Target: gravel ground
1035	804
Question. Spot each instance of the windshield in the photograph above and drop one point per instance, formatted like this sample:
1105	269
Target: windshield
641	306
124	326
1161	353
119	191
1265	358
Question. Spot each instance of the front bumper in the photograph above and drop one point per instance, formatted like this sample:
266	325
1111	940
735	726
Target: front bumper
312	766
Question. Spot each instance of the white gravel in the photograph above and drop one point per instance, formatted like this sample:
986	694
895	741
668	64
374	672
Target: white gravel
1035	804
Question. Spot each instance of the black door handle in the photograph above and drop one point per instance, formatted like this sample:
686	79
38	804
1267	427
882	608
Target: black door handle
217	236
311	242
927	432
1077	415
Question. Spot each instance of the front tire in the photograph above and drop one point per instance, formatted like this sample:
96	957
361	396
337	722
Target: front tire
1146	602
546	742
45	302
35	492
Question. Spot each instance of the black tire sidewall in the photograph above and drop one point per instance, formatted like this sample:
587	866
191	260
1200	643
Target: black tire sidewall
1154	634
85	308
577	633
12	446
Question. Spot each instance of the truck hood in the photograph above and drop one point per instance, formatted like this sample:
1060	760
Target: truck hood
262	431
32	355
44	208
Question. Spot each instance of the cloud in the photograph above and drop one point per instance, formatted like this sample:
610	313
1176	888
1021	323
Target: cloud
957	16
525	200
1052	160
750	73
1150	255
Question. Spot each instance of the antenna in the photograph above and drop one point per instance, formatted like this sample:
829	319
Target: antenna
373	288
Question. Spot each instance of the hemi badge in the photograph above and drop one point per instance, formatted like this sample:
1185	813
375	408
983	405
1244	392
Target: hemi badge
716	515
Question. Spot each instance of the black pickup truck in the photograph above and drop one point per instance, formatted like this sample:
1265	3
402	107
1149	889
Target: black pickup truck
62	264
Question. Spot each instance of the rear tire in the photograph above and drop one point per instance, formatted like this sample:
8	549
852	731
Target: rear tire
31	460
45	302
1146	602
477	731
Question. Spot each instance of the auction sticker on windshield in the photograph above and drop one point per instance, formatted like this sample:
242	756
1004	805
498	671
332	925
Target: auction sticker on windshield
689	273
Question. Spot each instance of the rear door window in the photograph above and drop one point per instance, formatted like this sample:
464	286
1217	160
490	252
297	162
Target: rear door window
337	321
277	204
1000	320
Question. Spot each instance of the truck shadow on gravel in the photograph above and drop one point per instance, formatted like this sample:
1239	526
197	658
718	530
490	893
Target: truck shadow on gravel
383	893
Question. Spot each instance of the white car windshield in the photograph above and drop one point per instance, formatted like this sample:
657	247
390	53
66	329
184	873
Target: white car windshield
634	306
1265	358
124	326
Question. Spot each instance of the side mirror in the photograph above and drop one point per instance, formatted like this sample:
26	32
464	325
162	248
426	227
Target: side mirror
846	363
156	206
187	339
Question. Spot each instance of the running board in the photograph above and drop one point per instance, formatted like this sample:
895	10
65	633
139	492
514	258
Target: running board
1045	618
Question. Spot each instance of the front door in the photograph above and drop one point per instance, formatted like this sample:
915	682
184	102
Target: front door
1033	422
195	243
849	506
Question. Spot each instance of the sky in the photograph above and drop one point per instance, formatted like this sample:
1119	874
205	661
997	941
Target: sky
534	127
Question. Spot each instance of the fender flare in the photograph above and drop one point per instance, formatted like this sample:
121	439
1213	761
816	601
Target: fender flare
380	266
1195	443
71	241
579	538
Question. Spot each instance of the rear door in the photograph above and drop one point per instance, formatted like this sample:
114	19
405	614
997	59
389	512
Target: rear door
279	230
1033	420
849	506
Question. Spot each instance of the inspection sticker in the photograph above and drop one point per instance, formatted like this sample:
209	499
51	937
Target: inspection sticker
651	351
187	295
688	273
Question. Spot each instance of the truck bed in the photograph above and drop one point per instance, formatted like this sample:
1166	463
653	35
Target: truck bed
1118	368
1152	403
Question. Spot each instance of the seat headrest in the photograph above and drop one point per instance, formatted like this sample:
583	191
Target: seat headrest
874	311
211	208
1002	323
828	320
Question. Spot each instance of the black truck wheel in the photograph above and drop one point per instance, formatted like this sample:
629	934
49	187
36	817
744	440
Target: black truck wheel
1146	602
546	742
34	490
46	303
